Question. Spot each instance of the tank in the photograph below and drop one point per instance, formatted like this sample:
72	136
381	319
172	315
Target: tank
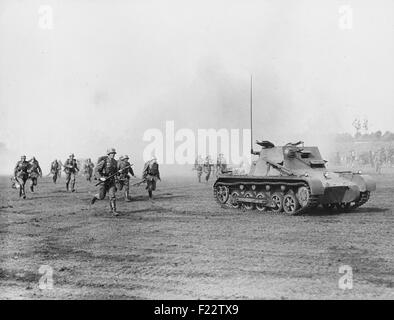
292	179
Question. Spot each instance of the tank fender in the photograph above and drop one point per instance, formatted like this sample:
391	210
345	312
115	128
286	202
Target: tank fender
316	186
365	182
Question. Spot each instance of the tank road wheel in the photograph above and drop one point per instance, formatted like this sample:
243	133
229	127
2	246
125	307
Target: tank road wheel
248	205
233	199
222	194
343	207
329	206
303	195
261	207
290	204
277	202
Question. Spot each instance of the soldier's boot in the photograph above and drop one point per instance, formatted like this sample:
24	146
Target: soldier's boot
73	187
32	187
67	187
127	196
150	195
113	208
94	199
22	192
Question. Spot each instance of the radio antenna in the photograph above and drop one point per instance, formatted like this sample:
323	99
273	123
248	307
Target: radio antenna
251	114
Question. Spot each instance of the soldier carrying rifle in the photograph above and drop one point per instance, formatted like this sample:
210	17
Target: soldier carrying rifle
70	168
34	172
150	175
21	171
125	170
106	171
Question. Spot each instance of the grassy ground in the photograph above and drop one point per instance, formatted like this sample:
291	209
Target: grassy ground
183	245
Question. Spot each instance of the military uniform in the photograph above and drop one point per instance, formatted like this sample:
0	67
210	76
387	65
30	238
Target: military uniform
71	168
123	182
21	171
207	167
89	166
151	174
34	173
198	168
106	167
55	168
221	165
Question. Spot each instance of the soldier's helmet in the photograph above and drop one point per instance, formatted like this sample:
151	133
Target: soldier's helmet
72	155
125	157
23	157
111	150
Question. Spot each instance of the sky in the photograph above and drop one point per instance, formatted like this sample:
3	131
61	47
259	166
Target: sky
98	74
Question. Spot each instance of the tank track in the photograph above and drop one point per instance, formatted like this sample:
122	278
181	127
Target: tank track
364	197
313	201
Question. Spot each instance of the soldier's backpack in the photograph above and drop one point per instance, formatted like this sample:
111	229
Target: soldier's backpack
154	169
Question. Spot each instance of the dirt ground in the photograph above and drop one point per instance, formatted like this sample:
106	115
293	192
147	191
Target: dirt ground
184	246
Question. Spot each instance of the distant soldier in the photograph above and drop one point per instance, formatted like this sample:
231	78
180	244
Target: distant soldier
55	168
71	169
221	164
370	157
21	171
198	164
207	168
106	170
151	174
34	172
88	169
378	162
124	168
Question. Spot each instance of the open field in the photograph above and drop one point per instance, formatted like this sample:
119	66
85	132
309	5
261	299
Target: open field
183	245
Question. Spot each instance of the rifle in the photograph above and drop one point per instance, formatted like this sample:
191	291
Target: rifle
138	183
113	175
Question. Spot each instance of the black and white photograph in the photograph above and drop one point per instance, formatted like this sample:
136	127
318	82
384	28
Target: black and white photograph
196	150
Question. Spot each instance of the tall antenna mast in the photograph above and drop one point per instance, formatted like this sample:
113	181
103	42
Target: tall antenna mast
251	114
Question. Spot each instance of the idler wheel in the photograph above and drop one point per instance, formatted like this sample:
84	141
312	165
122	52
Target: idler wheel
234	199
248	205
261	207
303	196
222	194
277	202
290	204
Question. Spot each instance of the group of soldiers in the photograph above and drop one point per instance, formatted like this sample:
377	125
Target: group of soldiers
207	167
112	175
382	157
25	170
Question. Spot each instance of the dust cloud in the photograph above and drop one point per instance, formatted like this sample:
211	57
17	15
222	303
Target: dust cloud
108	71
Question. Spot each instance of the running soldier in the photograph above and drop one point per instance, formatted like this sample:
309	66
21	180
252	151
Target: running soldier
21	171
124	168
151	174
55	168
221	165
106	170
88	170
198	167
70	168
207	168
34	172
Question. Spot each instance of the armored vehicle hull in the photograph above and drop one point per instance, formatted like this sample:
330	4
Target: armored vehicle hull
293	180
